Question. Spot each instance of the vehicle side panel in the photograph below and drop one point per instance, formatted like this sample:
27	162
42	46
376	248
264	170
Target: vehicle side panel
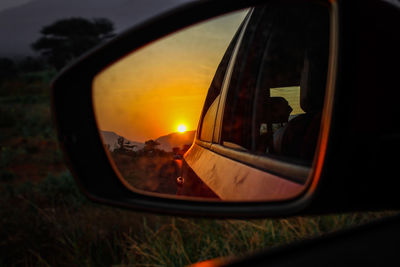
232	180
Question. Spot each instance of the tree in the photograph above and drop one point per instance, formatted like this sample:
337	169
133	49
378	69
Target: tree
8	69
31	64
150	146
67	39
121	142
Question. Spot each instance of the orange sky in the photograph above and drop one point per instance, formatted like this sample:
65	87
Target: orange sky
149	93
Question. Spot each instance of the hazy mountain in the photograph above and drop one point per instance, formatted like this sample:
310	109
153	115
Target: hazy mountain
167	142
20	25
111	139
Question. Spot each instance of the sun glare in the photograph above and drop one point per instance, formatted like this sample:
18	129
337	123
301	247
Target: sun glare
181	128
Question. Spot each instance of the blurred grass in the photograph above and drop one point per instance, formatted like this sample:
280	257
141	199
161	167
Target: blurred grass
46	221
179	241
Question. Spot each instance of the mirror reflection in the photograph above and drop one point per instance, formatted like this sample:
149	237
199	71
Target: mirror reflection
228	109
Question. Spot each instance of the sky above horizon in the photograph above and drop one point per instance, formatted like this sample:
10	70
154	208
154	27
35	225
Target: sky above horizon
151	92
28	17
5	4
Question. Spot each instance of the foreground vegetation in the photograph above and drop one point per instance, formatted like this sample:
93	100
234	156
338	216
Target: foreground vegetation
45	221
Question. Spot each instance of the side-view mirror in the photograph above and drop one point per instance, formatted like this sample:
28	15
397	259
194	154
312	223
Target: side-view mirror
246	109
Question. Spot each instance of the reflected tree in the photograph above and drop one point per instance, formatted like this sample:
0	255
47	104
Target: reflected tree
150	146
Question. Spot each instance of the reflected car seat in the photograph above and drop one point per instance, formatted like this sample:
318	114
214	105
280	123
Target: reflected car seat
298	139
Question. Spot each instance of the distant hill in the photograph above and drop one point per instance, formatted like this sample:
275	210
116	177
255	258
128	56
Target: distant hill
20	25
111	139
167	142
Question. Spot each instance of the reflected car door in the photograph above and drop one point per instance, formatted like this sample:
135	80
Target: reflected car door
237	153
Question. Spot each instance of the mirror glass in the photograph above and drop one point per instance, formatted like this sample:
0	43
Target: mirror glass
225	110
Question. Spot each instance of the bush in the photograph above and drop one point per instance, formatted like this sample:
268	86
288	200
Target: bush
7	69
7	155
33	84
9	116
61	190
37	123
6	175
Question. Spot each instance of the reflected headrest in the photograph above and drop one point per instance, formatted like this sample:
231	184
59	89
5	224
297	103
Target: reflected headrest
313	83
278	110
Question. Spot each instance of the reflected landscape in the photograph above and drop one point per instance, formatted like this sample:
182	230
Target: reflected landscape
148	104
152	166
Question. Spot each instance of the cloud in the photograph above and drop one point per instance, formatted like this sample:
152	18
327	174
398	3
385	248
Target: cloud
5	4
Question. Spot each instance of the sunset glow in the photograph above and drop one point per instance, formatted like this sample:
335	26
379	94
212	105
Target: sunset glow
181	128
140	96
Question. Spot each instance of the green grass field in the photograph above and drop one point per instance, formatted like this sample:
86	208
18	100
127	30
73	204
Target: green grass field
45	221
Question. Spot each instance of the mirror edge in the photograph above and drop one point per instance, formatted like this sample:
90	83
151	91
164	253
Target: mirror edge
73	84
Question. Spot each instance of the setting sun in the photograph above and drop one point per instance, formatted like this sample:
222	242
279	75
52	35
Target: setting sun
161	88
181	128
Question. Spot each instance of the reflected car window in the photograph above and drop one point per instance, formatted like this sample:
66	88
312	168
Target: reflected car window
277	112
209	112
